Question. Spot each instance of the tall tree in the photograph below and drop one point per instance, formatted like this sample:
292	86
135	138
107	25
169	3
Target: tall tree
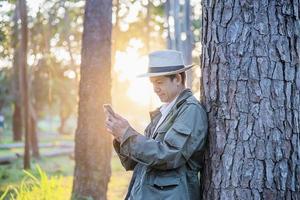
24	82
251	89
188	40
17	115
92	143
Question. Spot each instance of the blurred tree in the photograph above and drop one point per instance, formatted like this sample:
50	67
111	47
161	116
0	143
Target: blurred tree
92	142
17	115
251	89
20	43
24	82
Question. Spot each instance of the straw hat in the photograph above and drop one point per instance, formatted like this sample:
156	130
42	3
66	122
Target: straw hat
165	62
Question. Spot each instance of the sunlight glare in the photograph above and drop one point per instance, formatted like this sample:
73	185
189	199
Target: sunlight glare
70	74
128	65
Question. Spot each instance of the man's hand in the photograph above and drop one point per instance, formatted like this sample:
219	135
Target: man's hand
116	125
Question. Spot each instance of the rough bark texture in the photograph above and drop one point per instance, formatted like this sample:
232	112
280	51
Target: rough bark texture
92	142
251	89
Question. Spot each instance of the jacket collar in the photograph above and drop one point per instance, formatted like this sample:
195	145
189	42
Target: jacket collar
154	113
186	93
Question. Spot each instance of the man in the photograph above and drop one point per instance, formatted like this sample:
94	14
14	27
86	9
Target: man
166	159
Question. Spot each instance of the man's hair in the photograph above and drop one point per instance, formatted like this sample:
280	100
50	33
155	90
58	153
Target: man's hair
182	74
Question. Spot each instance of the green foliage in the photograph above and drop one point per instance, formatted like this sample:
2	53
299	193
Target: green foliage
5	86
61	170
5	30
138	28
38	187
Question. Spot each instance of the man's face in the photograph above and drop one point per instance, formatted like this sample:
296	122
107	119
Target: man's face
165	88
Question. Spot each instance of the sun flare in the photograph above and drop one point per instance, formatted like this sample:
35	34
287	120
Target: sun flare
128	66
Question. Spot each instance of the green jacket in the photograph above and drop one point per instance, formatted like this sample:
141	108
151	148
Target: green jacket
166	163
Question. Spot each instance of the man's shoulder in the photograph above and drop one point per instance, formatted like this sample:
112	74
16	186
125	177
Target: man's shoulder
192	100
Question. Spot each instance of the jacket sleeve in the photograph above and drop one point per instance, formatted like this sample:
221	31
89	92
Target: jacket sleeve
186	136
127	162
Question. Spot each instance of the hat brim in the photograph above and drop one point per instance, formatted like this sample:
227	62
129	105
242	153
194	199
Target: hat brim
166	73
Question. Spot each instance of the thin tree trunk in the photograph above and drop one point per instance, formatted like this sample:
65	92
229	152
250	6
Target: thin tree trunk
17	123
23	72
167	13
177	25
188	42
92	142
172	22
17	115
34	136
64	115
148	27
251	81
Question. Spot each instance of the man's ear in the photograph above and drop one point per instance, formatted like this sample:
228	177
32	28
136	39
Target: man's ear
178	79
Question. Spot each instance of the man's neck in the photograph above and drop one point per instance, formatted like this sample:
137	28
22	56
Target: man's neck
178	93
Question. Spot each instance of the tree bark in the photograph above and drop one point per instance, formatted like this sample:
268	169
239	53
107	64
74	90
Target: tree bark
251	89
92	142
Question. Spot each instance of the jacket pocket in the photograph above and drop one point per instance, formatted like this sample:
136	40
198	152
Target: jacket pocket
178	135
166	182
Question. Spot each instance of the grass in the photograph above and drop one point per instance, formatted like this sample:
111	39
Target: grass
55	174
39	187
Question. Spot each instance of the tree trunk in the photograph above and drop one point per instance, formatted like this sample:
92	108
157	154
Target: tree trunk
167	19
61	128
17	123
17	115
24	82
64	114
92	142
34	136
148	30
251	81
188	42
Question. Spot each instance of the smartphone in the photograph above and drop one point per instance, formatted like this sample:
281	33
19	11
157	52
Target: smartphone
109	109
